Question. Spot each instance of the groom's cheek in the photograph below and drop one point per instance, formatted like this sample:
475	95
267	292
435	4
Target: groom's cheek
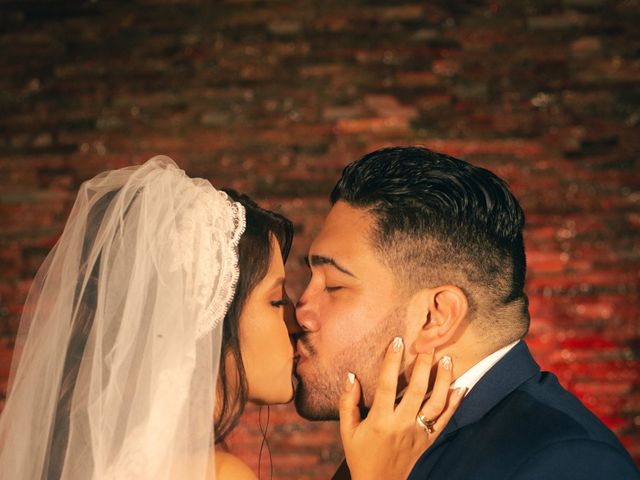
360	362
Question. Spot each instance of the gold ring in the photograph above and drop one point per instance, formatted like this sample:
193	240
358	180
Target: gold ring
427	425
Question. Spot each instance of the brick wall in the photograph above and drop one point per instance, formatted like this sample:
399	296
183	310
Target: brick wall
274	98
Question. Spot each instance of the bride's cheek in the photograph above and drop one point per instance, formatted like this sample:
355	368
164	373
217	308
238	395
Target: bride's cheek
278	344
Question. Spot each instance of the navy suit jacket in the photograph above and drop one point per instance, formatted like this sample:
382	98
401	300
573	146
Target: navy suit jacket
518	423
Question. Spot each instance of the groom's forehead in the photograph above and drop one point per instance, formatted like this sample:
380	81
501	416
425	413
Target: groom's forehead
345	219
345	222
344	235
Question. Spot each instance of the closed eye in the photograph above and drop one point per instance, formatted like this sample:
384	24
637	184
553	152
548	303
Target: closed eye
280	303
332	289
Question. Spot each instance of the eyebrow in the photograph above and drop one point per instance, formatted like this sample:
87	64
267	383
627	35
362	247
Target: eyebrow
321	260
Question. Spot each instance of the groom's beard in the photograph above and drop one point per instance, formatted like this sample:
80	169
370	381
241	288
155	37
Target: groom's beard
318	392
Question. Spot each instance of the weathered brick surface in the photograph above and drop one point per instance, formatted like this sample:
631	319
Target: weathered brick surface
274	98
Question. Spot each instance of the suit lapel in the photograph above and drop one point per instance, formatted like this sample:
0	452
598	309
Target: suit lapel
515	368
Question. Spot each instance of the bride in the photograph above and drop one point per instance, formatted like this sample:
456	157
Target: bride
160	312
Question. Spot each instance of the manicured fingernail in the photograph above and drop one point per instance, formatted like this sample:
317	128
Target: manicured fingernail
397	344
460	392
446	362
351	379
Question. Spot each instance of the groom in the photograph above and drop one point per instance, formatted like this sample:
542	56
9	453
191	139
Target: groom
428	247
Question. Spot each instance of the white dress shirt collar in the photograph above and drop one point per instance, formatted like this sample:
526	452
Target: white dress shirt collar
472	376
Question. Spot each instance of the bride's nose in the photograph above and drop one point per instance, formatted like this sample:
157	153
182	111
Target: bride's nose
293	327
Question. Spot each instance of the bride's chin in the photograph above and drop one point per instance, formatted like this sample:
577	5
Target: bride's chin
283	396
292	393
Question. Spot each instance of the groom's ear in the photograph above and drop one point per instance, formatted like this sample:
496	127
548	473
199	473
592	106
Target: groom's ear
444	310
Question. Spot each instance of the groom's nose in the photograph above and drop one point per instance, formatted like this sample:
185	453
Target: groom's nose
306	316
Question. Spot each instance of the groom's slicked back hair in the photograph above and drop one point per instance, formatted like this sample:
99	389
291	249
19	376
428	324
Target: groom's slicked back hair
441	220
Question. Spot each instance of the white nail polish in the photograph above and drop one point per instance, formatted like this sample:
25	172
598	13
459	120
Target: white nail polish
351	377
460	392
446	362
397	344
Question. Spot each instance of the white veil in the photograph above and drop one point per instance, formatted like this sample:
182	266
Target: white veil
116	361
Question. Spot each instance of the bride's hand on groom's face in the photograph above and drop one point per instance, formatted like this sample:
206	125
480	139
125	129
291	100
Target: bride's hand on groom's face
393	436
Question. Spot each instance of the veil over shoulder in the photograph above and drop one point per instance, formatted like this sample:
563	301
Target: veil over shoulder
117	356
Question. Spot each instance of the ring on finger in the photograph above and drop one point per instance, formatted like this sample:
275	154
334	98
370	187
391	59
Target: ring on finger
425	423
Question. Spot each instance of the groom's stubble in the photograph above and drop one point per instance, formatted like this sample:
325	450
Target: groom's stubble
318	391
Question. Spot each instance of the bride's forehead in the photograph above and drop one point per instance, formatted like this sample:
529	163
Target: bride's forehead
276	263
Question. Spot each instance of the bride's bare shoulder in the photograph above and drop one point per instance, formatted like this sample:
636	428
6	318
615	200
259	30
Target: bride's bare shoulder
230	467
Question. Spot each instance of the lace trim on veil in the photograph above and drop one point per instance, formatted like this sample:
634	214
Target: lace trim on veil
214	274
230	279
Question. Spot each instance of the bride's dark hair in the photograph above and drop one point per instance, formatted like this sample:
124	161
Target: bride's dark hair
254	256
